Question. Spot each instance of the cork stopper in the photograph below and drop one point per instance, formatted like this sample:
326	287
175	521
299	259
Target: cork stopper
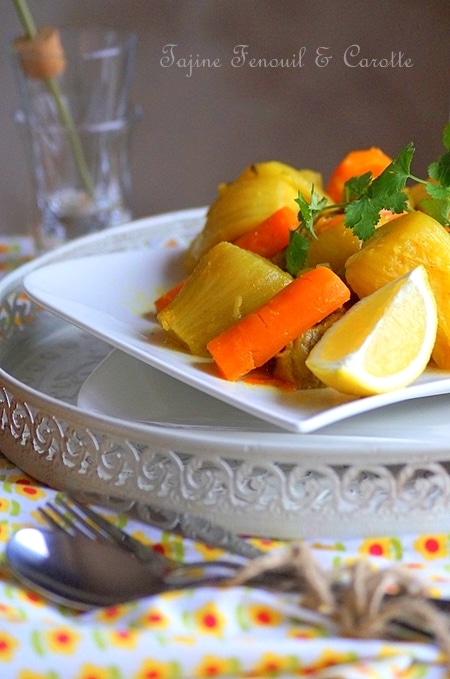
43	55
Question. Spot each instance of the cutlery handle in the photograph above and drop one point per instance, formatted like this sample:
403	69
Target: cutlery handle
183	523
197	528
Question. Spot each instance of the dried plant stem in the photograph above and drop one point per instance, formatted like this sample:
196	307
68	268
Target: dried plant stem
64	113
75	143
25	17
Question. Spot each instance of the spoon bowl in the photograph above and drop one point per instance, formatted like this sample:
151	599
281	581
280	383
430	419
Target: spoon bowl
82	573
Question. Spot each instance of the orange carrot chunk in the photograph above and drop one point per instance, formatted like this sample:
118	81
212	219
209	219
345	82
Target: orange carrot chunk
272	235
355	164
257	337
165	299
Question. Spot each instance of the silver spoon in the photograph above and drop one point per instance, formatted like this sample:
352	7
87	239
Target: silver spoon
82	573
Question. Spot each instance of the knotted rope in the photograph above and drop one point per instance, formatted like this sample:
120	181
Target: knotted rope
361	601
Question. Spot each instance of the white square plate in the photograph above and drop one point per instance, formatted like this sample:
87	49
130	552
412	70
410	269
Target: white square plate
110	295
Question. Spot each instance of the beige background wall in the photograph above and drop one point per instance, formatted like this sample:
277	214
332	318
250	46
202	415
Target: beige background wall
199	130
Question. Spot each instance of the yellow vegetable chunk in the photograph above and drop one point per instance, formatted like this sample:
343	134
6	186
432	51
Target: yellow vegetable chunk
243	204
227	283
398	247
334	243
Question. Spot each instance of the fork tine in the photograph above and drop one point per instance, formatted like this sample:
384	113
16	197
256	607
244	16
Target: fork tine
108	531
56	519
50	519
93	524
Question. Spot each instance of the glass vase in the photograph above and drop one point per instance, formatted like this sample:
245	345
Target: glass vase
77	123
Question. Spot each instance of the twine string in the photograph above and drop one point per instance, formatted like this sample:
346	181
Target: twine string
361	601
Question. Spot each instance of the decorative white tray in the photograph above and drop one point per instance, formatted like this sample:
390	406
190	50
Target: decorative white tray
380	473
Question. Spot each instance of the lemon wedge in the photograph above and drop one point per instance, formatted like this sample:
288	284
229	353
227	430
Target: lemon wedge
384	342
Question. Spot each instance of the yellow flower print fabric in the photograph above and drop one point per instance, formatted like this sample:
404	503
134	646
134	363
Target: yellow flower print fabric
204	633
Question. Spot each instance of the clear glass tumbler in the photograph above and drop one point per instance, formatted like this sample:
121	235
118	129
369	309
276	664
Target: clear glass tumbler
77	123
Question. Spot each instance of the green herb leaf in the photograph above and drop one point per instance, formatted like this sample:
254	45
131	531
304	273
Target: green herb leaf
356	186
446	136
362	216
395	176
317	203
440	172
297	252
396	202
365	197
385	192
439	190
305	214
309	211
437	208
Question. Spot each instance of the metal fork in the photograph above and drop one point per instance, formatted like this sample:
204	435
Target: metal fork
75	518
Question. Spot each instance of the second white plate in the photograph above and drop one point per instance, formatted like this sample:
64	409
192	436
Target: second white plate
123	387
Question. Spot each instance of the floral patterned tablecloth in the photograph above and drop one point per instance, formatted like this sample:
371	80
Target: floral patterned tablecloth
210	632
205	633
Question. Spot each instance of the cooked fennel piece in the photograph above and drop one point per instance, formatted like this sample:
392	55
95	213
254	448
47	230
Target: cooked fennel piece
290	364
242	204
227	283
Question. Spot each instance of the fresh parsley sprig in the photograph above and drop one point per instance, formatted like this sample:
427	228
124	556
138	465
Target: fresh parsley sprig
299	240
365	196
